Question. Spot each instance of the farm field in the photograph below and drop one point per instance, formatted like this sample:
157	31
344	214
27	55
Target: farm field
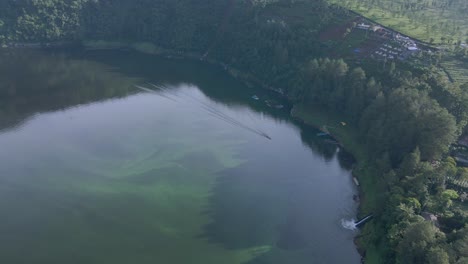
439	22
457	69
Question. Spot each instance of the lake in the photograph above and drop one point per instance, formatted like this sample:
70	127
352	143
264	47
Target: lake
121	157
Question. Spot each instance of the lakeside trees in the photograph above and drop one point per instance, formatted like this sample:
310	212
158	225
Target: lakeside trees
412	116
41	20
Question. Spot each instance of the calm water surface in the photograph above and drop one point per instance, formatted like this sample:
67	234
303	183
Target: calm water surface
96	170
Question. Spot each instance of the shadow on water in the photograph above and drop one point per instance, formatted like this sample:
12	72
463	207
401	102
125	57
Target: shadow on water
318	145
326	147
252	207
240	221
346	160
33	82
210	79
258	205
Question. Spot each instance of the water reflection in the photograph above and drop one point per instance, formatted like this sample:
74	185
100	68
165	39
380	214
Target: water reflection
211	82
33	82
326	147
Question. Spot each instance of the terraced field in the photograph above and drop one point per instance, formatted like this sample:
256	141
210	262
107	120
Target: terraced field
457	69
443	21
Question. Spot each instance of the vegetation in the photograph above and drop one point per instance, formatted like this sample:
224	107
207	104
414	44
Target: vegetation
26	20
404	118
442	21
456	66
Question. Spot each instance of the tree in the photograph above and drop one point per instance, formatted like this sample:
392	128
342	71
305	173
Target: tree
450	194
418	239
392	67
437	255
463	260
410	163
444	200
47	20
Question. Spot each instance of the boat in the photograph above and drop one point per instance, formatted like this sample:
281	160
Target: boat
356	181
279	106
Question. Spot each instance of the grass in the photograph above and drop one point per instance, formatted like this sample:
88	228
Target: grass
457	69
348	136
356	39
101	44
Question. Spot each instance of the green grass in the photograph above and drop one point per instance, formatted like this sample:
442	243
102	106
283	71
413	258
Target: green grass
347	135
144	47
101	44
353	40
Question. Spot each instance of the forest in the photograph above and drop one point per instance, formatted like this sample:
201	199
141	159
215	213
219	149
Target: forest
407	118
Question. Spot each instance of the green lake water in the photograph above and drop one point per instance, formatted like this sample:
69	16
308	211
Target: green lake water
94	169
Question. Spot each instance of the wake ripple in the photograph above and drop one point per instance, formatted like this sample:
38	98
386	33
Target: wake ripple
348	224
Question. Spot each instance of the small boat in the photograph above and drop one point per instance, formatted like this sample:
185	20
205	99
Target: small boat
271	103
279	106
321	134
265	135
356	181
330	141
255	97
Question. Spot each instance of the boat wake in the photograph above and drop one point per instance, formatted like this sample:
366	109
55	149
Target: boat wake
348	224
167	93
353	224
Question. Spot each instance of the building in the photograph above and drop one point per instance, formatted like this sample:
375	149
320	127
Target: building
363	26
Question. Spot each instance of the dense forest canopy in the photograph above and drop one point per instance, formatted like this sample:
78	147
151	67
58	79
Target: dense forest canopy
407	117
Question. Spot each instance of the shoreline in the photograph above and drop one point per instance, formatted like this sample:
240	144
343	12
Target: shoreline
150	48
345	136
